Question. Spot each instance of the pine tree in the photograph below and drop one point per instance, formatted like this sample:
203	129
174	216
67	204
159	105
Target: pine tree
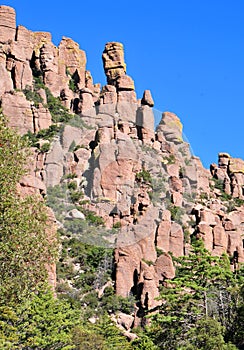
39	322
201	289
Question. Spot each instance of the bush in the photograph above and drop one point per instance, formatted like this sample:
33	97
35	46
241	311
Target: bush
176	213
117	225
45	147
33	95
44	134
72	185
144	176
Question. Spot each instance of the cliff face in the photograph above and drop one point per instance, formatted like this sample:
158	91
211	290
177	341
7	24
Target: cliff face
143	181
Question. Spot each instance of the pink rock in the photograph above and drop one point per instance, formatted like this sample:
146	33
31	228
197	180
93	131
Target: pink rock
162	239
206	233
172	127
173	169
72	59
18	111
220	237
113	61
208	216
176	240
150	287
234	241
127	96
128	268
223	160
42	118
177	198
125	83
147	99
108	94
125	320
236	165
6	83
86	100
175	184
7	24
164	267
228	225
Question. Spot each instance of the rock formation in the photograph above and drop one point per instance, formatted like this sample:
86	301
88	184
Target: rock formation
143	181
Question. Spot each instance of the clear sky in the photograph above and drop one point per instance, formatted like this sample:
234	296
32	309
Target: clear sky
189	53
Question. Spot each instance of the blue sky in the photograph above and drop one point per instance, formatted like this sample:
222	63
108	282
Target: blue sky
189	53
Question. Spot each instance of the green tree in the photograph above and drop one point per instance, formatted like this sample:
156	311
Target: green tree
103	335
201	289
25	249
39	322
207	335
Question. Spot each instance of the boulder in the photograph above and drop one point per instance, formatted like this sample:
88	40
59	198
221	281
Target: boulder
164	267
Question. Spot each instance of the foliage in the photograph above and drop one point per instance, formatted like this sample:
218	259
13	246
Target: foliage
93	218
117	224
39	322
207	335
94	264
218	184
176	212
24	247
113	303
58	112
158	188
45	147
144	176
170	159
33	95
143	342
44	134
103	335
72	85
204	287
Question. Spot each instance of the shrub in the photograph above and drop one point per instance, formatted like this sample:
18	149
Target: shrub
72	185
45	147
144	176
32	95
117	225
176	212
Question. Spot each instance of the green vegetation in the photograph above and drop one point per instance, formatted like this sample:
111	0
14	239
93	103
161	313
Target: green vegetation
170	159
200	308
58	111
158	189
72	82
24	247
39	322
231	202
144	176
44	134
117	225
33	95
176	213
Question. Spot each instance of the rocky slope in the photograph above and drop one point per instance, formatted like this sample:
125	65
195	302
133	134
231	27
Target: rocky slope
151	192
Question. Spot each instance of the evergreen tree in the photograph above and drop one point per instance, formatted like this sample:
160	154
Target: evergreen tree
25	249
39	322
201	289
